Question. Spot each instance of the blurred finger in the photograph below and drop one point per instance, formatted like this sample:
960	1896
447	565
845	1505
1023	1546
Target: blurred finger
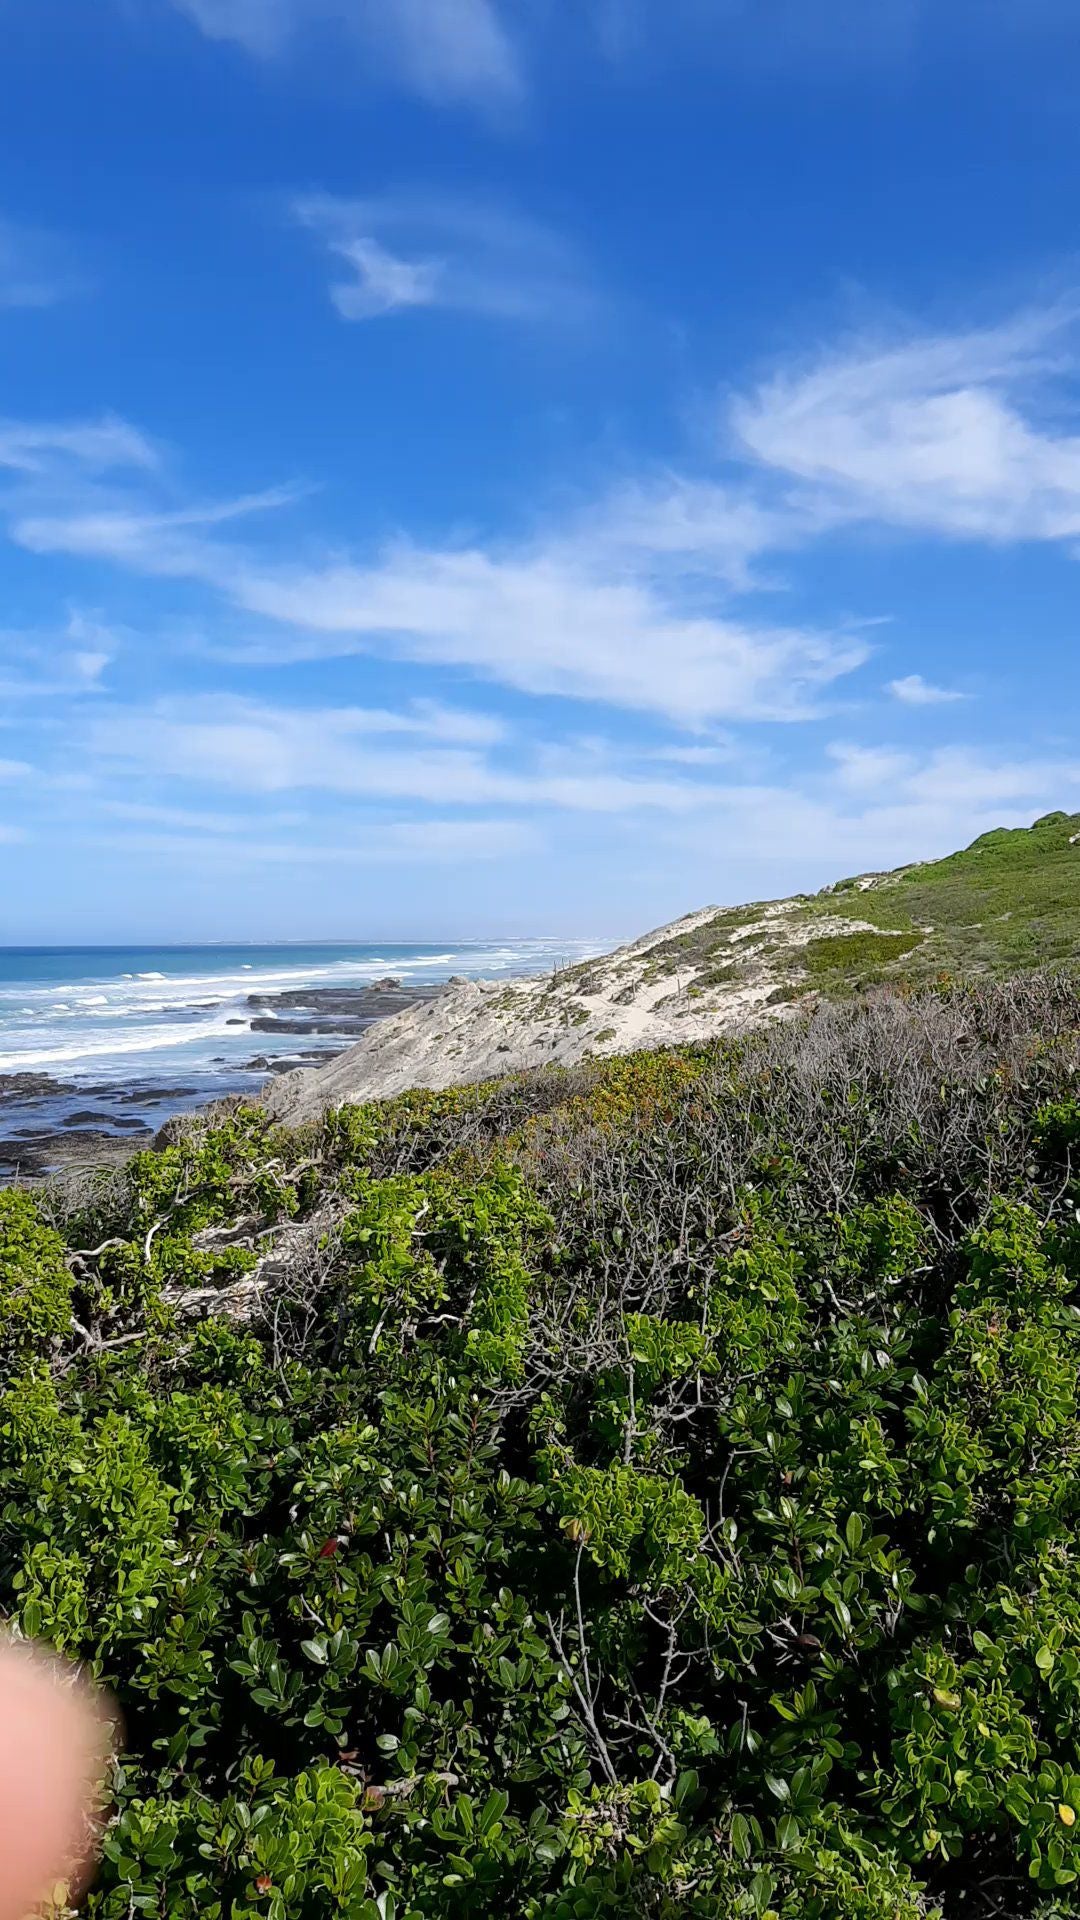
52	1749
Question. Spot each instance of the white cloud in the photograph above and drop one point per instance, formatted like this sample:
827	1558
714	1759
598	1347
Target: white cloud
956	776
256	748
699	527
35	447
432	250
544	622
382	282
262	26
604	619
868	805
964	777
14	770
174	543
196	819
70	661
88	667
694	756
957	434
629	601
369	843
868	769
446	50
874	808
913	691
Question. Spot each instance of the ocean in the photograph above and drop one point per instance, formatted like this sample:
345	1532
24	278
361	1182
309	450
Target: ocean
120	1037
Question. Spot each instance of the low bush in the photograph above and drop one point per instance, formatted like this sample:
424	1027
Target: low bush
647	1489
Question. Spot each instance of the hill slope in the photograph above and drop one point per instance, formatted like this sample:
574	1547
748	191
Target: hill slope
1010	900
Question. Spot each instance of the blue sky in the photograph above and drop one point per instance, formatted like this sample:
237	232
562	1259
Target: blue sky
477	467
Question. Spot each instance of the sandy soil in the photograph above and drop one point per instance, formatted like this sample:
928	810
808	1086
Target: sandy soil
608	1005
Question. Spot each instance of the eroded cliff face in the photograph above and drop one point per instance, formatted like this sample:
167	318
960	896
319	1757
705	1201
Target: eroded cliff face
707	973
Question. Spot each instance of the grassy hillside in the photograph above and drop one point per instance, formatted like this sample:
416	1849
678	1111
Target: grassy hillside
1010	900
650	1488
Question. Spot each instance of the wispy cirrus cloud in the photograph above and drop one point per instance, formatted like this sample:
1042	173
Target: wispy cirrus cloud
595	620
177	542
549	622
957	776
913	691
967	435
866	805
254	747
393	252
445	50
150	826
68	662
430	843
642	599
51	448
486	52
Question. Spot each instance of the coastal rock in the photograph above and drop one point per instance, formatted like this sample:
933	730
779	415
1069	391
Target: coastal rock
41	1151
18	1088
343	1011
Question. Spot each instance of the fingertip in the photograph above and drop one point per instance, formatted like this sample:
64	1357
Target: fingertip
54	1739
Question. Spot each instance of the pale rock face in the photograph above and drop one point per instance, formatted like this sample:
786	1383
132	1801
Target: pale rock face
642	995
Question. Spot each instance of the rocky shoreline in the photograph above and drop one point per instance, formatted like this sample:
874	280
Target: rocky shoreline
48	1124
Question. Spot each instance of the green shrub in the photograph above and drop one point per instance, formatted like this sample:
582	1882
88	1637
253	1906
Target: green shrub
863	954
35	1284
648	1489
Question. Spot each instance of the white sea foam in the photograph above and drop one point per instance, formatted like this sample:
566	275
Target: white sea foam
137	1040
175	1023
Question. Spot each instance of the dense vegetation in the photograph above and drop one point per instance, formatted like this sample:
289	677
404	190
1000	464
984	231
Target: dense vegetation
644	1489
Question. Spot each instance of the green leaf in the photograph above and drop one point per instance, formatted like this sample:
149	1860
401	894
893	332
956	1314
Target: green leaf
761	1891
685	1786
492	1810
